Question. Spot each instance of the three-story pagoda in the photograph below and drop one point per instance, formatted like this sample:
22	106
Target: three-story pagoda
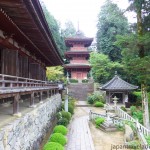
78	56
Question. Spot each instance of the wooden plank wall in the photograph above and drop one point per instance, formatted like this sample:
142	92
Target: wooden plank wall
16	64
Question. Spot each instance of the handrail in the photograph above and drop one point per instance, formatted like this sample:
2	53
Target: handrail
8	81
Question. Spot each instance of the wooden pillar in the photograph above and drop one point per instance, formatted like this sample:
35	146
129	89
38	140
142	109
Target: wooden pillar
107	97
32	100
16	105
40	97
48	95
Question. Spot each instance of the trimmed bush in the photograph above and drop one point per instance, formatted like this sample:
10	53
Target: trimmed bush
66	115
99	121
73	80
85	81
63	121
99	104
58	138
71	108
53	146
60	129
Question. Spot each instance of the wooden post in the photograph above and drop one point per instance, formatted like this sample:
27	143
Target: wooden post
40	97
32	101
16	106
48	95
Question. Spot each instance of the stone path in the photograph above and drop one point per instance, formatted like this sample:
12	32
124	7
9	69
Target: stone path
84	136
79	137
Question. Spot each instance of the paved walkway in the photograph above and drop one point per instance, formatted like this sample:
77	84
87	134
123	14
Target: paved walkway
79	137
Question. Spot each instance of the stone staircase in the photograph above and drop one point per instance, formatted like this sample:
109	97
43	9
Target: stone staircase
80	90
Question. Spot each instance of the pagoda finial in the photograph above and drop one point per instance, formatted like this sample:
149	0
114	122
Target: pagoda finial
78	26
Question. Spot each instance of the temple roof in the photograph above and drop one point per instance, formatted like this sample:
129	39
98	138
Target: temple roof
117	84
80	38
25	20
77	65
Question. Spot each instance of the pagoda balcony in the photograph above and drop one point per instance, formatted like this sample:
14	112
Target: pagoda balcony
13	89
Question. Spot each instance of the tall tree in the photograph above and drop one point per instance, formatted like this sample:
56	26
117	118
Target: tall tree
68	30
111	22
55	29
136	53
103	69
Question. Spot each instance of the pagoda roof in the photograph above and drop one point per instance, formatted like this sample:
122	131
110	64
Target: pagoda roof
25	20
80	38
77	66
77	52
118	84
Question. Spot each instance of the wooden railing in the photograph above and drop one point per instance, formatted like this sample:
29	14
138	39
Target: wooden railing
8	82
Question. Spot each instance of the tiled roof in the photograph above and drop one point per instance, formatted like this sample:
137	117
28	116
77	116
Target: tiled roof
116	83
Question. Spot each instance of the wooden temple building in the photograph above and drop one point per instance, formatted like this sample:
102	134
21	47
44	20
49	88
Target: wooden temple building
119	88
26	48
78	55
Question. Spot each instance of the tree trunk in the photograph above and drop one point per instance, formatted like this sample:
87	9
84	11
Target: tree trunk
145	106
141	55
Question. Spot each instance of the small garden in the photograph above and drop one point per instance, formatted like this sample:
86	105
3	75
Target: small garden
96	99
58	139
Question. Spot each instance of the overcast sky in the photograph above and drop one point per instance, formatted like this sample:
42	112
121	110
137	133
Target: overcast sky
84	11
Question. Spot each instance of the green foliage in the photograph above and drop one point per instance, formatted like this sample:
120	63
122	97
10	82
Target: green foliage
96	96
99	121
148	139
63	121
120	126
132	125
54	73
123	108
73	81
102	68
55	28
134	145
133	109
53	146
111	22
66	115
138	115
84	81
58	138
69	30
70	108
60	129
99	104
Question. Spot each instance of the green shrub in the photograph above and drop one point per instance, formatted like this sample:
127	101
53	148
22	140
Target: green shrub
133	109
73	81
63	121
138	115
60	129
71	108
66	115
53	146
132	125
85	81
147	139
99	121
58	138
99	104
123	108
96	96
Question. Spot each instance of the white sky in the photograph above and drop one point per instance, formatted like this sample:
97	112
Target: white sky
84	11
